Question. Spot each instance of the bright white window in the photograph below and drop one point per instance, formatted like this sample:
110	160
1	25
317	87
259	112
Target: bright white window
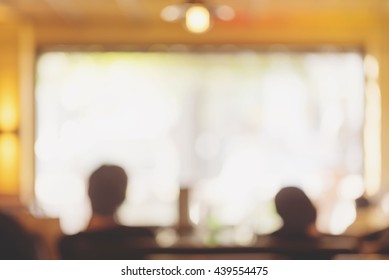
234	126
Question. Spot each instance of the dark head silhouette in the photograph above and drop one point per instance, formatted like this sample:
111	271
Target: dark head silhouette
107	189
15	242
296	211
104	238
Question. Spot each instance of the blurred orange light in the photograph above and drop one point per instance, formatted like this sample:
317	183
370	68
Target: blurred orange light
8	114
9	162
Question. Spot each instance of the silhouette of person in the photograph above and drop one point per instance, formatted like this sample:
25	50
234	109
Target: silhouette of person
369	219
104	238
107	191
298	238
297	212
376	240
15	242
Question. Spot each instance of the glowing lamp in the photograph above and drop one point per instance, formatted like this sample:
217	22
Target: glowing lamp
197	19
197	15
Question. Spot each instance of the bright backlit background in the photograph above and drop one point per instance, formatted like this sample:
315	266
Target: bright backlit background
233	126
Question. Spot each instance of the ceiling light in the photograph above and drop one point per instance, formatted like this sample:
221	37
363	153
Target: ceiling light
197	19
225	13
197	16
171	13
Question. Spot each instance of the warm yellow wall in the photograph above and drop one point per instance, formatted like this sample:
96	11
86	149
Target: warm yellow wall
9	110
301	29
364	29
16	46
384	82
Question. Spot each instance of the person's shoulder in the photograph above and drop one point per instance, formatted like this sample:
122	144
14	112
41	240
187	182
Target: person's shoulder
110	243
284	234
15	241
136	231
8	221
117	230
375	235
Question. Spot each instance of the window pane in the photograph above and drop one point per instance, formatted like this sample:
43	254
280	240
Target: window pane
233	126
